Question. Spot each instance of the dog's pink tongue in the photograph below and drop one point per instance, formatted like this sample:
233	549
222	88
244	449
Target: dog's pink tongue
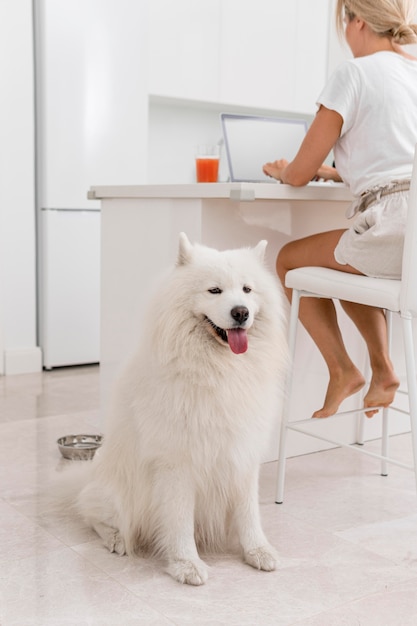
238	340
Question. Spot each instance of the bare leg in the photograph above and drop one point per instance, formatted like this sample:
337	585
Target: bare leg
319	318
371	323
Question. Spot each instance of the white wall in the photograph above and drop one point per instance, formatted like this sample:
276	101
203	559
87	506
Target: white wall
18	351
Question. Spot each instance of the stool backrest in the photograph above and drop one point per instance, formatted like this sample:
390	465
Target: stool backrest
408	298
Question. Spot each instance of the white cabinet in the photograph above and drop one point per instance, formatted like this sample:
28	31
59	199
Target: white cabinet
272	54
257	52
184	43
315	21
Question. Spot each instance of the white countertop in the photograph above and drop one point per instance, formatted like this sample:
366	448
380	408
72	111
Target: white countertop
326	192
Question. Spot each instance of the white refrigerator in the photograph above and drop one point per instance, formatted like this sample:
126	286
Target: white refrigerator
91	128
69	286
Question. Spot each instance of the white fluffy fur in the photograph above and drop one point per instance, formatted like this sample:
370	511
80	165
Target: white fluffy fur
190	419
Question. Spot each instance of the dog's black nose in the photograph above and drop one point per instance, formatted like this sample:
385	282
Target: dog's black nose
240	314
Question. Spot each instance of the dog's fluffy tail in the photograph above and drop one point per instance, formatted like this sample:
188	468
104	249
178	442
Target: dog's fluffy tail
61	494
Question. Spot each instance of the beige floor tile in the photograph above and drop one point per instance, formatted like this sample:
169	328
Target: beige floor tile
346	536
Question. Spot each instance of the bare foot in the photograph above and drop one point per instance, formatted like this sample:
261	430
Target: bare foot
381	392
340	388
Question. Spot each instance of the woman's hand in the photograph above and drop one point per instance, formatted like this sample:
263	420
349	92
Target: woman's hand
328	173
275	169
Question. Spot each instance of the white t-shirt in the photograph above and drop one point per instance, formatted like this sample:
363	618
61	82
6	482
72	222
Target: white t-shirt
376	96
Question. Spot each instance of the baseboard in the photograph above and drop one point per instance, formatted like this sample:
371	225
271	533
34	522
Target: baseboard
22	361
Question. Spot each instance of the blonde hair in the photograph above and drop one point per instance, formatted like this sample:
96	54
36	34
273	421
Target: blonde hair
387	18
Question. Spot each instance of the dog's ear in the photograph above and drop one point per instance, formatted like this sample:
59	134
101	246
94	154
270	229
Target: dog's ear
259	250
185	250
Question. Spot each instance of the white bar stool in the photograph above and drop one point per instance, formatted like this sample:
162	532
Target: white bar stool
395	296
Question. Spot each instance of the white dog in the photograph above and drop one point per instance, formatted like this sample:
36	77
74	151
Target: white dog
191	415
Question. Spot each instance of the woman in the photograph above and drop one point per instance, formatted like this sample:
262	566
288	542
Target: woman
368	114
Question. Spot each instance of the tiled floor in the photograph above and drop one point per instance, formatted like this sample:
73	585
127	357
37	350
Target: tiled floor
347	537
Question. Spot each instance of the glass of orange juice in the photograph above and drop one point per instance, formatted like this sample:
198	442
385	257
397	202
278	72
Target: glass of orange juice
207	163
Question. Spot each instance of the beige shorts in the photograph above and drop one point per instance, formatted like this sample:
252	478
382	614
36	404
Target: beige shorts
374	242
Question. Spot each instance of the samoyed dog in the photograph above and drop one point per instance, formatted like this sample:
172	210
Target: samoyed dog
190	417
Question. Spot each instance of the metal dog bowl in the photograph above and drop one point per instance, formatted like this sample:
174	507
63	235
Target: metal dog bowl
79	447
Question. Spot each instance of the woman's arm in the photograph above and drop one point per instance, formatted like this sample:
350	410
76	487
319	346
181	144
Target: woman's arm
308	162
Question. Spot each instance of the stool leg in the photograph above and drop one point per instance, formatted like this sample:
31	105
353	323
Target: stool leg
385	412
407	327
385	441
292	335
360	427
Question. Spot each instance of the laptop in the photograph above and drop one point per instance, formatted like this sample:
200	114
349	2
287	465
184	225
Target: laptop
250	141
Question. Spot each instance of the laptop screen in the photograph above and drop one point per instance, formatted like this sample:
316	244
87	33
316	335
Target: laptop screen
250	141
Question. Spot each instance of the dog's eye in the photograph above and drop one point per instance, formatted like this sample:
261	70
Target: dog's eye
215	290
246	289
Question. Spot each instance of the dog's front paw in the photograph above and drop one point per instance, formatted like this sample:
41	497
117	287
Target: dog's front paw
188	572
264	557
115	543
